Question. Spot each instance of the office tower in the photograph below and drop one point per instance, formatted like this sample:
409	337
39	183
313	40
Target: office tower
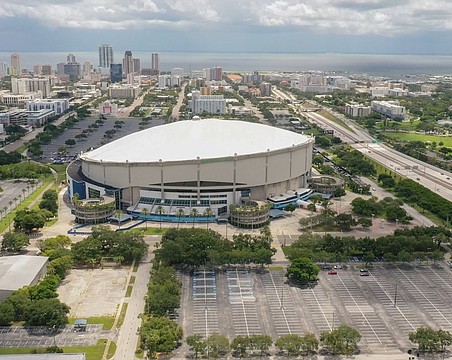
87	68
46	69
127	63
71	58
60	68
72	68
136	66
3	69
155	61
105	56
214	74
37	69
15	64
116	73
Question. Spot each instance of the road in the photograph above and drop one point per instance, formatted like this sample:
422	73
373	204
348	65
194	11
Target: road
256	112
31	135
430	176
175	115
128	334
125	112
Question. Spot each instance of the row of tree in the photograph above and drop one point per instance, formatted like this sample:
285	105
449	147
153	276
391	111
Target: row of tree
389	208
196	247
341	341
49	201
404	245
164	291
24	170
106	243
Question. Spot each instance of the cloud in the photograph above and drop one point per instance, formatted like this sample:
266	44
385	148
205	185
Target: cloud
353	17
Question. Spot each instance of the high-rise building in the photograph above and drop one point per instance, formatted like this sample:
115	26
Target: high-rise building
136	66
105	55
37	69
71	58
214	74
46	69
116	73
155	61
127	63
20	86
87	68
72	68
15	64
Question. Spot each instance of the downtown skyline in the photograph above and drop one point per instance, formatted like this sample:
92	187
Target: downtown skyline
345	26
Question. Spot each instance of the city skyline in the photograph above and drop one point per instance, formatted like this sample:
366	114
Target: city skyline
348	26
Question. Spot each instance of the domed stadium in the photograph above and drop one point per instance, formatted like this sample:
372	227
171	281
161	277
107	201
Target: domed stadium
193	167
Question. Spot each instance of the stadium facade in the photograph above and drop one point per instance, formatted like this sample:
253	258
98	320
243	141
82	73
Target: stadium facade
194	167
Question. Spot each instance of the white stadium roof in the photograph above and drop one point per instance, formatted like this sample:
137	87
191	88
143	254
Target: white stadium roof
187	140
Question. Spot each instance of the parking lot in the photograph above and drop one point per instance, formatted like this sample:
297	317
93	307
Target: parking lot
93	140
11	191
384	306
40	336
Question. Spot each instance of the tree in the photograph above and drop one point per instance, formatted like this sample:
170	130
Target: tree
343	340
311	207
6	313
208	213
430	340
145	213
60	266
180	212
47	312
160	211
197	344
14	242
339	192
364	222
309	343
160	334
261	343
303	270
194	214
20	301
70	142
344	221
217	345
290	208
291	343
240	345
27	220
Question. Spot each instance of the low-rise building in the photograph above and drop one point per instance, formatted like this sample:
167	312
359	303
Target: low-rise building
19	271
57	105
212	104
39	117
357	110
18	100
108	108
240	110
123	91
391	109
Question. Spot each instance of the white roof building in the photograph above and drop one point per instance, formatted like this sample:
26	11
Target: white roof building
19	271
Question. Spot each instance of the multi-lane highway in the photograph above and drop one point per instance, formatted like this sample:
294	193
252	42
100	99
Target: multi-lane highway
430	176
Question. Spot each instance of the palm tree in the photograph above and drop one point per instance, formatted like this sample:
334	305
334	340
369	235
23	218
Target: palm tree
20	198
10	203
145	213
194	214
180	213
118	214
160	211
28	189
5	208
208	212
15	200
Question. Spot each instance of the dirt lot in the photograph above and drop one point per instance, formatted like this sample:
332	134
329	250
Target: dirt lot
93	292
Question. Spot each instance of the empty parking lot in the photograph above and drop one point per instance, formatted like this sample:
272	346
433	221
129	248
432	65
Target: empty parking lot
384	306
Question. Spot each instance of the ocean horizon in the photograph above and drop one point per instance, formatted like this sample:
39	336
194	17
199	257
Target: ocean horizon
373	64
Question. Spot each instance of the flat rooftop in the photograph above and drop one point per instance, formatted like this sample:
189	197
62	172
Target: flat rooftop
20	270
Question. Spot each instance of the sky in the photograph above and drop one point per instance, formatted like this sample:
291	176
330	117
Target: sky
298	26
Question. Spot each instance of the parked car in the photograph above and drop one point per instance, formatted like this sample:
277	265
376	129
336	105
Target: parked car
332	272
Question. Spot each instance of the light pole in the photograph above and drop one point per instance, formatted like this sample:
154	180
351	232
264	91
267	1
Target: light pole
395	296
54	335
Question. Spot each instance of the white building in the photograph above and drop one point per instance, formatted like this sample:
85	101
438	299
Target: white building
379	91
108	108
117	91
105	56
212	104
397	92
18	100
57	105
391	109
21	86
357	110
240	110
166	81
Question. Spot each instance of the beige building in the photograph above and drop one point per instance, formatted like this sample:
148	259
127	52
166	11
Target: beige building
194	164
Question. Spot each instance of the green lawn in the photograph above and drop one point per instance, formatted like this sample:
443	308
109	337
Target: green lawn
129	290
6	220
107	321
123	314
447	140
334	119
91	352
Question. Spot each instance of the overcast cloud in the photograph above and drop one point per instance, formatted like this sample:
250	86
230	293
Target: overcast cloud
387	19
